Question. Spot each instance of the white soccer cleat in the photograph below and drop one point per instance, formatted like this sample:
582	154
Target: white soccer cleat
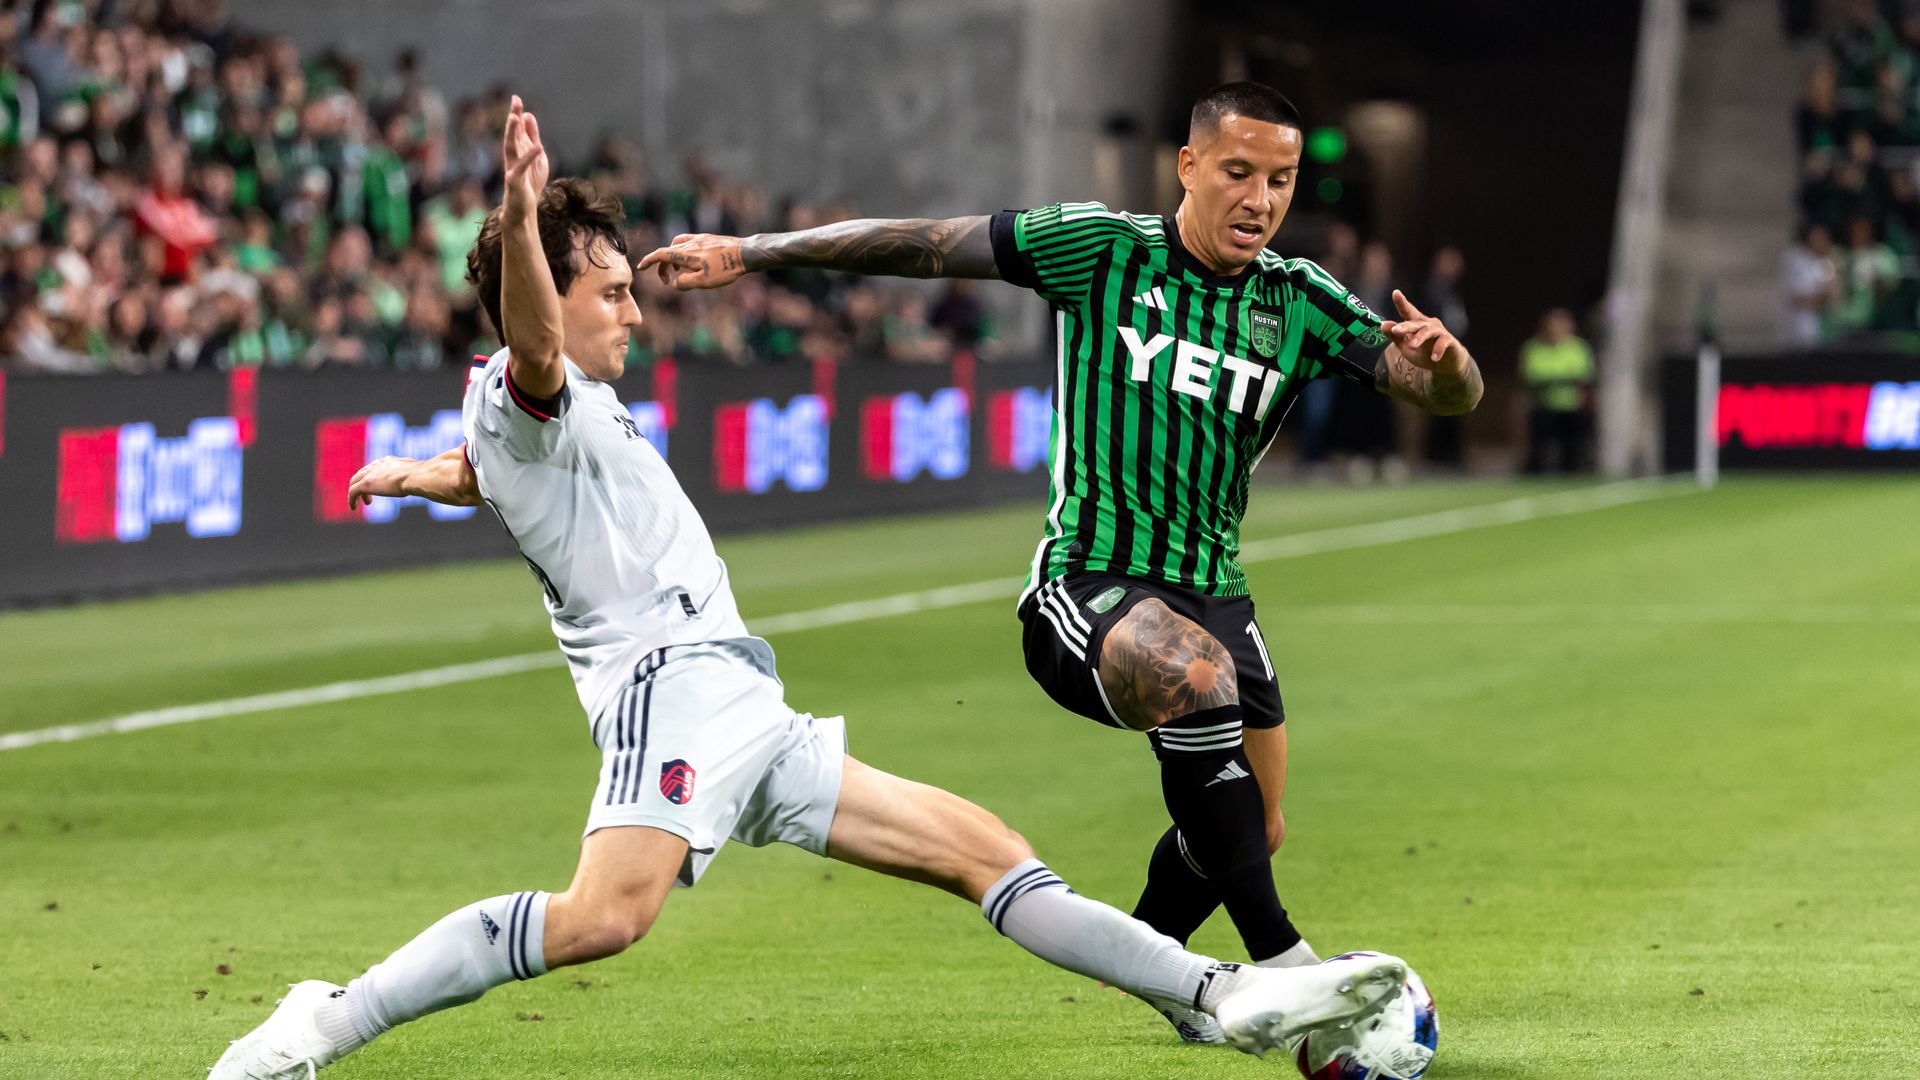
288	1046
1278	1006
1193	1025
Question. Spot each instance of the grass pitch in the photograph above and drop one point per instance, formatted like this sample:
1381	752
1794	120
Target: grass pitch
1637	791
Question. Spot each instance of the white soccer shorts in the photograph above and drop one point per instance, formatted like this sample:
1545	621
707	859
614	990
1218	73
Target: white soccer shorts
703	745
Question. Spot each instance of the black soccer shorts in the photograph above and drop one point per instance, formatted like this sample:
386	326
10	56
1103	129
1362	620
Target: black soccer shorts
1067	619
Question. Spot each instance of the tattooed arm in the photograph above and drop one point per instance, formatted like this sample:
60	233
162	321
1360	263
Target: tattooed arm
1426	365
912	247
1157	666
1442	393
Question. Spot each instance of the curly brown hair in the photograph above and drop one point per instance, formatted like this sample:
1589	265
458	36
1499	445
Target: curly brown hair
573	216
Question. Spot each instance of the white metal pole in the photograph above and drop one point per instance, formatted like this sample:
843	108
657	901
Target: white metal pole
1706	414
1621	395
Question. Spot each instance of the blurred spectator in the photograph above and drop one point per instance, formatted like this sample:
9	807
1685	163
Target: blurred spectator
960	317
1819	123
1902	215
19	100
910	336
1557	367
1317	398
862	325
1860	44
1364	424
164	211
453	224
1893	122
1811	281
1869	281
1439	296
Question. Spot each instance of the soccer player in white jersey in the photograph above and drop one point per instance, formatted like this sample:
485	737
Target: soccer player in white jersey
698	745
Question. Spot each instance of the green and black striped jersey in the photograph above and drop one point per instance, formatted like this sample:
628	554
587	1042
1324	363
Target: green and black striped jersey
1171	382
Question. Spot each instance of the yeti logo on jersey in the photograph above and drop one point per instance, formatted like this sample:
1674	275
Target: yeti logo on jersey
676	782
492	928
1103	603
626	421
1265	334
1200	372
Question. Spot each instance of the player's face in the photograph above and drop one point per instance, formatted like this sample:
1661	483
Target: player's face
598	314
1239	181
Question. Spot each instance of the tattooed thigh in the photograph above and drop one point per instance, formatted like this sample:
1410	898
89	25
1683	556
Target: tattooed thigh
1157	666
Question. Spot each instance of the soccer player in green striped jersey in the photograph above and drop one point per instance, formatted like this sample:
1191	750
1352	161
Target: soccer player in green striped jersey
1181	342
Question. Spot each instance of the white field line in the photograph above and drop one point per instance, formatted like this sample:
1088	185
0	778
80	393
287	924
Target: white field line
1345	538
1602	614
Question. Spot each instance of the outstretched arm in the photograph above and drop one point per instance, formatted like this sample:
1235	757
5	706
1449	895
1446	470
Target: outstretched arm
959	247
1425	364
529	302
446	478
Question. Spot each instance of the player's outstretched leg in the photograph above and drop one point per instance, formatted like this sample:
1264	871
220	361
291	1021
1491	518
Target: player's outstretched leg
1166	675
922	833
622	880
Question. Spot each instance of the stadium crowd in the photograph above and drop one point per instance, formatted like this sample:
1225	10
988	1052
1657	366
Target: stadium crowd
1855	267
179	193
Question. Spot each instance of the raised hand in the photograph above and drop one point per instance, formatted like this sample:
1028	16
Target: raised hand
1423	341
697	261
524	158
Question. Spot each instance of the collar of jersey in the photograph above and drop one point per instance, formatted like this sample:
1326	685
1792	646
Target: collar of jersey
1186	260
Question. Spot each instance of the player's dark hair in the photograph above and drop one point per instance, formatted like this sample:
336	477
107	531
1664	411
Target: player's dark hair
573	217
1255	101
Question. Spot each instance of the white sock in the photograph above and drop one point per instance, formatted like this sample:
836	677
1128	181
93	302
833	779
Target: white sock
452	962
1220	983
1301	955
1037	910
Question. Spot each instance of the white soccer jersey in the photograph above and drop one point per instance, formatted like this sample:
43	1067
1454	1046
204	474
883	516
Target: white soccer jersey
626	562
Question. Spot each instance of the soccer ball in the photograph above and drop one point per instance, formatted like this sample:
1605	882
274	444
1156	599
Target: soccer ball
1396	1043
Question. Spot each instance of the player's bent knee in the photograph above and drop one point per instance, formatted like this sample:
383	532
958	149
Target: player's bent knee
584	928
988	853
1013	850
610	933
989	862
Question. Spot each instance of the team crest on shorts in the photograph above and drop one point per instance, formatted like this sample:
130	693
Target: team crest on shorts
1265	333
676	782
1103	603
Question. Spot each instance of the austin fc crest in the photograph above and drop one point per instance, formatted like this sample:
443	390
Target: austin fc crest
676	782
1265	334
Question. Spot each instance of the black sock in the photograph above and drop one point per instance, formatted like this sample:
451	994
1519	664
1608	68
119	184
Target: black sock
1177	899
1215	801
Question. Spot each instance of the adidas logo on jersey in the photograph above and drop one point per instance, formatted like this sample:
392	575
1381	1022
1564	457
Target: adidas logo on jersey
1233	771
1152	298
492	928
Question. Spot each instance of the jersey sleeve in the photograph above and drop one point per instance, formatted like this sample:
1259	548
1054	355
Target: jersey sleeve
1342	335
1053	249
526	427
